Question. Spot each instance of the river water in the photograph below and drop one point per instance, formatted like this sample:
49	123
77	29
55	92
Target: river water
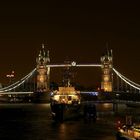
33	122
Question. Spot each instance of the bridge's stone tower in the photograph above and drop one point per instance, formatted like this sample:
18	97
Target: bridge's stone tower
43	72
107	75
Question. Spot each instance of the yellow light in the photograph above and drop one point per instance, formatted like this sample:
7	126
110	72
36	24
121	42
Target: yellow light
56	97
41	79
106	89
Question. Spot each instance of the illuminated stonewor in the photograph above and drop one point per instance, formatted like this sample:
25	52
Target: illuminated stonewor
43	71
106	66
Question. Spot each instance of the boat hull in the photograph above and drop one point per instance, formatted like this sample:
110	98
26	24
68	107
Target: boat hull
63	112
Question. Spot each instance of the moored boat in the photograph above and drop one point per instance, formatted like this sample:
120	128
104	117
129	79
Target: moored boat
128	131
65	103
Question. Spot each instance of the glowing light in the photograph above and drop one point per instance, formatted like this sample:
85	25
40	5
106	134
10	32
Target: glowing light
74	64
125	79
106	89
91	93
18	83
41	79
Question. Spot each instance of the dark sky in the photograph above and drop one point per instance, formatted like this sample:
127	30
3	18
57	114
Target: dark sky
73	30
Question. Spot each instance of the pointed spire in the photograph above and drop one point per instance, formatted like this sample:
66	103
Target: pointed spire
43	46
48	53
111	51
48	56
39	53
107	51
43	50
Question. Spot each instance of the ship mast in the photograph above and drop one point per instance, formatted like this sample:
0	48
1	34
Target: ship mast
67	75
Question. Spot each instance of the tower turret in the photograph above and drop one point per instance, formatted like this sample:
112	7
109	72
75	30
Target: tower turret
106	66
42	70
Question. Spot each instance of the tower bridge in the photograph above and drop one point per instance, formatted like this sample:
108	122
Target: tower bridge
111	79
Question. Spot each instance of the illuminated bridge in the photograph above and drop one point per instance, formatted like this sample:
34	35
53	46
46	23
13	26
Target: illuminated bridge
38	80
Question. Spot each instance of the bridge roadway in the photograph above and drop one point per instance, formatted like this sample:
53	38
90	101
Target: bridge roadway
128	102
16	93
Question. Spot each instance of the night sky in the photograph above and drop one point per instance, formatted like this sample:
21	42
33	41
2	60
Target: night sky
73	30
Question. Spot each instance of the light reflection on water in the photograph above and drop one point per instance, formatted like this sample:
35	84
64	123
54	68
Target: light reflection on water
62	131
33	122
104	107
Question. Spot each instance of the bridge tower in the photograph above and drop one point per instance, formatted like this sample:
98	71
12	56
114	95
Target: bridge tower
107	75
43	72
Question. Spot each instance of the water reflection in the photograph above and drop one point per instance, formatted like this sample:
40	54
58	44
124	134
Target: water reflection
33	122
62	131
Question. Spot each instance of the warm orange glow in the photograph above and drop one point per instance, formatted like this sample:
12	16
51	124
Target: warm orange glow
41	79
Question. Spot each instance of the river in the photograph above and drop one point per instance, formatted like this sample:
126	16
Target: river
33	122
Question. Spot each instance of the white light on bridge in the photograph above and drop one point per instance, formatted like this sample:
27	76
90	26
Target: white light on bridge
73	64
91	93
88	65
